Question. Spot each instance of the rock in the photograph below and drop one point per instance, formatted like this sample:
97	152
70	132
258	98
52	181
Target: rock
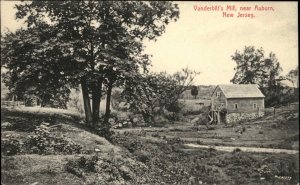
156	110
195	120
129	124
47	124
141	124
97	150
125	124
155	134
135	120
126	171
158	119
111	121
6	124
192	180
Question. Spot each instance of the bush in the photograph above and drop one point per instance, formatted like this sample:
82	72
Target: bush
172	116
236	150
192	112
175	107
142	156
240	129
95	170
6	125
155	134
10	146
128	140
265	172
175	140
81	165
46	142
105	132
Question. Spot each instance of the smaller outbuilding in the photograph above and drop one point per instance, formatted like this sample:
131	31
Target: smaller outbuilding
235	102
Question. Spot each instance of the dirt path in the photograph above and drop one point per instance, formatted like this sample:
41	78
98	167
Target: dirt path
245	149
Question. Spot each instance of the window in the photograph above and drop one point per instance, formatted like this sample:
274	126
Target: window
235	106
254	106
218	94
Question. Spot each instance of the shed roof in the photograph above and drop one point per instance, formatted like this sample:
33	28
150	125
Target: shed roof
241	91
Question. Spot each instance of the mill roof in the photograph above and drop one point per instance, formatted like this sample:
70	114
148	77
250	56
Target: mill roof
241	91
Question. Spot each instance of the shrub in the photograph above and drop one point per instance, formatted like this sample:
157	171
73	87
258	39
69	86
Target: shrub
175	140
211	128
203	119
236	150
175	107
142	156
46	142
199	142
192	112
10	146
223	111
6	125
105	132
73	168
172	116
81	165
128	140
265	172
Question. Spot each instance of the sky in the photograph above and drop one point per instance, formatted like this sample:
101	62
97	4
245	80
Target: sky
205	40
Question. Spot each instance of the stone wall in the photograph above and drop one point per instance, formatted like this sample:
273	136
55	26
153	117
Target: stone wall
235	117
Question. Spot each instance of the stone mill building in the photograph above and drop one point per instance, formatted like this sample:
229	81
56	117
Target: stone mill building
232	103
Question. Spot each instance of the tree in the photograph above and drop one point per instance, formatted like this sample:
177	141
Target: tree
31	74
293	76
194	91
254	68
100	40
249	66
157	90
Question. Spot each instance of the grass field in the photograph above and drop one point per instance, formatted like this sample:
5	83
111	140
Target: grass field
193	104
149	155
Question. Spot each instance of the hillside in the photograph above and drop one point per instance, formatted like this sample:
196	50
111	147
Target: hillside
52	146
204	92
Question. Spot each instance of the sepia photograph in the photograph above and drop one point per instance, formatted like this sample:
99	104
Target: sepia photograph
149	92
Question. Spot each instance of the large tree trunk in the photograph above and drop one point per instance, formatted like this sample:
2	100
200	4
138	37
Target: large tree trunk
86	102
108	99
96	103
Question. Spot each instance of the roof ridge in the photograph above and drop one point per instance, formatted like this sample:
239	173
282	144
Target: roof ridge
241	90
